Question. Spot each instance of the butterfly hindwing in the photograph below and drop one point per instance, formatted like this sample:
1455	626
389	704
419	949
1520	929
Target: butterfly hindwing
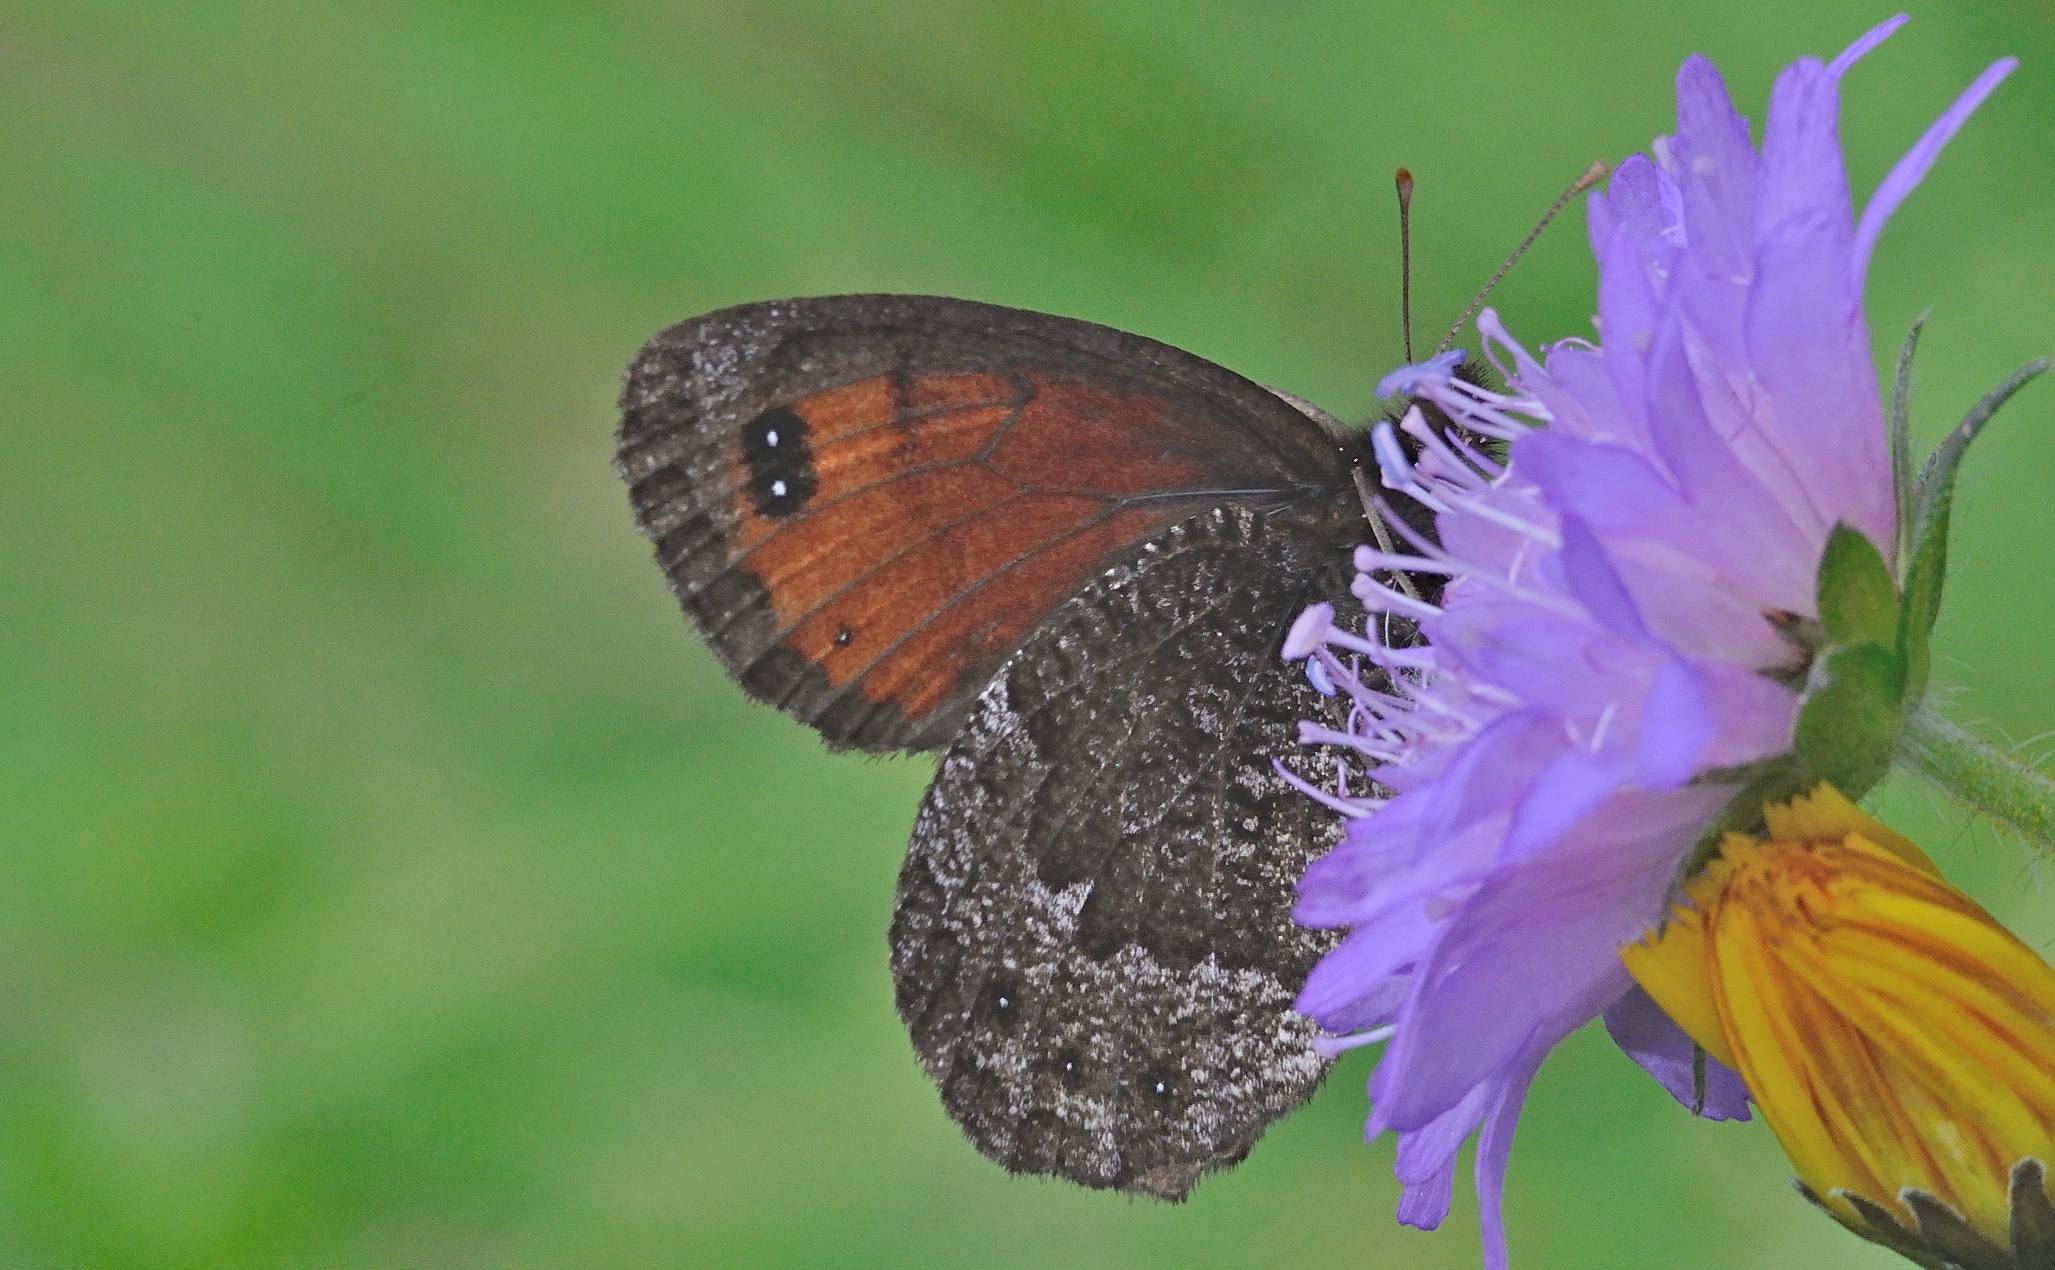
1093	947
867	503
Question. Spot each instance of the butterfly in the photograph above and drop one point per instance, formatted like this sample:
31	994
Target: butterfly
1066	558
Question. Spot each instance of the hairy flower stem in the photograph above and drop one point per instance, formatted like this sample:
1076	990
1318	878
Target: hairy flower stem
1981	778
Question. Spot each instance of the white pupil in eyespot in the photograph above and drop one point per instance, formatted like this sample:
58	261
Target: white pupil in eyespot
771	437
777	489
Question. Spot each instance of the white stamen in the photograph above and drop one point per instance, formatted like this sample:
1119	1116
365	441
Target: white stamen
1605	723
1527	529
1352	808
1336	1046
1370	560
1308	631
1380	598
1416	427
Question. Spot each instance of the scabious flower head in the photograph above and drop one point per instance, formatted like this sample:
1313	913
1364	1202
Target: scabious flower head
1622	634
1898	1040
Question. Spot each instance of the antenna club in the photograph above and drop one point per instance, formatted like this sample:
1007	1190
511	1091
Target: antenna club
1404	180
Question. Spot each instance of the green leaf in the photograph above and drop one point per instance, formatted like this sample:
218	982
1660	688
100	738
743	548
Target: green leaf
1936	484
1848	727
1922	603
1901	443
1933	502
1858	603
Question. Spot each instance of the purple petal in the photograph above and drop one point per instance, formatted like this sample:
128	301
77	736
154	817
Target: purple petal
1716	172
1743	530
1375	1007
1387	860
1627	313
1714	306
1753	715
1425	1203
1427	1160
1336	888
1425	1150
1909	171
1579	393
1360	964
1599	221
1687	607
1864	43
1532	955
1559	666
1490	777
1811	354
1595	585
1618	492
1651	1038
1802	170
1634	199
1567	789
1676	723
1494	1149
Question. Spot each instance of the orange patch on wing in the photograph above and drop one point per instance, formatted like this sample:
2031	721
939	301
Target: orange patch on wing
843	542
863	434
969	637
1135	442
883	454
899	594
838	411
948	518
930	391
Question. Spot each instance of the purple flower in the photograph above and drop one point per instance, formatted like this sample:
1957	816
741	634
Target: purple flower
1614	639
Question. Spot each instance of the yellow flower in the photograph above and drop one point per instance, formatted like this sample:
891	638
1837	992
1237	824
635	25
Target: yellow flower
1895	1037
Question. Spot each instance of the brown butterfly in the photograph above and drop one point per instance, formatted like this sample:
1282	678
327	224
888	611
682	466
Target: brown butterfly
1067	556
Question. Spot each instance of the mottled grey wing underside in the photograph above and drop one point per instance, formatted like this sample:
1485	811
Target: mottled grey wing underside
1093	947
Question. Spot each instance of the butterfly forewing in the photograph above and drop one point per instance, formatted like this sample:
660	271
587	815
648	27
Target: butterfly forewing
1093	947
867	503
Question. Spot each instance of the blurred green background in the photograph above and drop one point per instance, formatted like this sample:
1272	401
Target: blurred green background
390	880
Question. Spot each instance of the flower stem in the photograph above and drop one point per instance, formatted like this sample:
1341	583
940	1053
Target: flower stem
1982	778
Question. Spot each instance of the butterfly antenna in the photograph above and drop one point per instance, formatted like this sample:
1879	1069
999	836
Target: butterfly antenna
1592	176
1404	180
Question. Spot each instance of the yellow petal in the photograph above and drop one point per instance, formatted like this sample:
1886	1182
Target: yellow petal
1671	967
1892	1033
1826	813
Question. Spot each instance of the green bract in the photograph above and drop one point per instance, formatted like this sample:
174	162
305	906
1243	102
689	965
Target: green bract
1868	658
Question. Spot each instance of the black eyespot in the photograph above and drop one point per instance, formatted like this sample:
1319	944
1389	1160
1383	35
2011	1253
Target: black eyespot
780	462
1160	1085
1000	1002
1070	1067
